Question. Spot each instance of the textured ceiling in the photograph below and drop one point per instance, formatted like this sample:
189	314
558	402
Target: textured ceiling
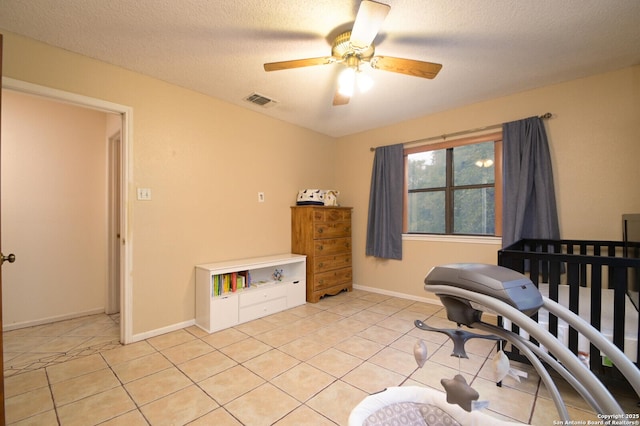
488	48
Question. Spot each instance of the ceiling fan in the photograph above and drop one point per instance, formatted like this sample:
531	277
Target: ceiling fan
352	48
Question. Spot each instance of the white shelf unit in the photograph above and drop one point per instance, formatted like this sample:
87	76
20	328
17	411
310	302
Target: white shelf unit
264	295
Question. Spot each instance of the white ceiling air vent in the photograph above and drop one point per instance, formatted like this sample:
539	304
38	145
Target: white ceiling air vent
261	100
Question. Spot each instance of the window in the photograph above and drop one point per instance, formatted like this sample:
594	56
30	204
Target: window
455	188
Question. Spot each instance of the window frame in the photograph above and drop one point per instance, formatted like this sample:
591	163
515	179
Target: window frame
496	137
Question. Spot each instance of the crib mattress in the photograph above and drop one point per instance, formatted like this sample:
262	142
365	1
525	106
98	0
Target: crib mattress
584	308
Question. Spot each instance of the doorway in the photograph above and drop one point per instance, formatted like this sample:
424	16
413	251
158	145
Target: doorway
117	151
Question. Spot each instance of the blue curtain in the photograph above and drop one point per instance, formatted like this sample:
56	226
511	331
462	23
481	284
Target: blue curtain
529	202
384	227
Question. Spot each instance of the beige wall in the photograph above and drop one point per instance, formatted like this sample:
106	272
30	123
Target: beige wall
595	148
204	160
53	209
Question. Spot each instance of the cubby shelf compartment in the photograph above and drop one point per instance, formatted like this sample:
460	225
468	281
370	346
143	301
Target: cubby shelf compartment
263	294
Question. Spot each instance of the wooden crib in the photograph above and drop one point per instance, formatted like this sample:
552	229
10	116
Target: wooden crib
598	280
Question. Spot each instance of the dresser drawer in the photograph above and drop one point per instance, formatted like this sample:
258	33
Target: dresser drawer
332	278
332	246
259	295
331	215
332	230
329	263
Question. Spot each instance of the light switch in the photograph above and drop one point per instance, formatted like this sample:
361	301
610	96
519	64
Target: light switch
144	194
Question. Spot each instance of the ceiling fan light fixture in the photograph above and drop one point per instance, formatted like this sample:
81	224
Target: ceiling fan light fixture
352	77
346	82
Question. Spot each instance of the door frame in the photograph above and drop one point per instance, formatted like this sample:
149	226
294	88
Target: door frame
126	182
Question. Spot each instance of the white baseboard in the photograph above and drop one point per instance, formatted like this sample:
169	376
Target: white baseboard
410	297
397	294
48	320
163	330
185	324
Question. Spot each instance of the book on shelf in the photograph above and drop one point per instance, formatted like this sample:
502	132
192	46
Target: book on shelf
230	282
215	288
245	277
240	282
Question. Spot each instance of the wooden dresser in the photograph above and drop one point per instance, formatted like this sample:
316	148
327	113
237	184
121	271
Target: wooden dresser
324	235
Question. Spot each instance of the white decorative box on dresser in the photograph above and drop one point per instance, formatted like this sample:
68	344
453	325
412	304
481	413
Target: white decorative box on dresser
236	291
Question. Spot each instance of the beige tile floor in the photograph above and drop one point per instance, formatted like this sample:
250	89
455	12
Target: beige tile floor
41	346
306	366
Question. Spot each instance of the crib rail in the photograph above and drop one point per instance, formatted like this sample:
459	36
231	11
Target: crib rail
596	265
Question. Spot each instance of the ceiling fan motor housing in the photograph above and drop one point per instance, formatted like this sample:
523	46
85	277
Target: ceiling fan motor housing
344	50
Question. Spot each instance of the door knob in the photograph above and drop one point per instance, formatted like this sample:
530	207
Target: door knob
11	258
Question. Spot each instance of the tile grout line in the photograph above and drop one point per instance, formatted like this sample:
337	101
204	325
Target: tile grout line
122	385
53	400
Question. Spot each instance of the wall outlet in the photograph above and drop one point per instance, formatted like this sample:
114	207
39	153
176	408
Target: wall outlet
144	194
261	197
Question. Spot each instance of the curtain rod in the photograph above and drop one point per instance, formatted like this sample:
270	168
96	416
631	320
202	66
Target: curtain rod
464	132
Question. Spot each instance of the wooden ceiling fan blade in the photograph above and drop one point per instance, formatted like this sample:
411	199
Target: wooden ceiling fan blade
298	63
368	21
406	66
340	99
